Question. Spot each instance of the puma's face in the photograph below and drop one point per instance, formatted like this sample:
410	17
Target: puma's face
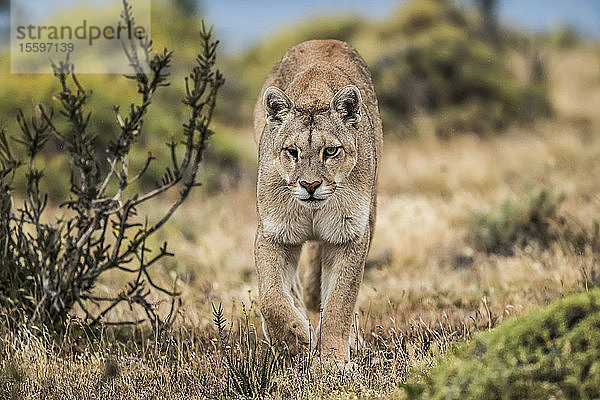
314	152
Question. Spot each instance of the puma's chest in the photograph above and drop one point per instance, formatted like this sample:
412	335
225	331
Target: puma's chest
338	221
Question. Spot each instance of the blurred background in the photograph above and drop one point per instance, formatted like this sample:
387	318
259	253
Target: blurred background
492	155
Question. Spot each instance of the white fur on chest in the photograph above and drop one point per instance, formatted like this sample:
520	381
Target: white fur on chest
340	220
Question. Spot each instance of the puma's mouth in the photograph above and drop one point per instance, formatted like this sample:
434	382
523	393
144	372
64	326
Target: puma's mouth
313	198
312	202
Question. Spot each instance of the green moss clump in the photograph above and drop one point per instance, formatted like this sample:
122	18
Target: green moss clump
548	353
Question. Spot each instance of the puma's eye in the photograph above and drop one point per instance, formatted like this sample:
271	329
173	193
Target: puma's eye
331	151
292	152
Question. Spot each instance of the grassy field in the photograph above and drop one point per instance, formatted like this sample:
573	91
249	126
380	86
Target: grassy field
428	284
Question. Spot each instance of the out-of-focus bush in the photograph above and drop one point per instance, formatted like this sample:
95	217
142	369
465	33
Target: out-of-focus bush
533	220
530	220
564	37
443	65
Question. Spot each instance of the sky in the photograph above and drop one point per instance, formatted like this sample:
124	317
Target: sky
542	15
239	23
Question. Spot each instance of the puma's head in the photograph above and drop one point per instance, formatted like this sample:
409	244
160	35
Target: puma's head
314	150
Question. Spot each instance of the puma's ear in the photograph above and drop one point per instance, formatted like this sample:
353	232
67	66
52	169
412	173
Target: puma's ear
276	103
347	102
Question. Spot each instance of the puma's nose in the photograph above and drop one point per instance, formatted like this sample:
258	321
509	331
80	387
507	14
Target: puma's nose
310	187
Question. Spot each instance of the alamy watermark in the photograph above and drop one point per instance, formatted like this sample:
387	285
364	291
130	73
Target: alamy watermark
91	33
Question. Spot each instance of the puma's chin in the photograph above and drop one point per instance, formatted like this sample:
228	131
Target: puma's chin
313	203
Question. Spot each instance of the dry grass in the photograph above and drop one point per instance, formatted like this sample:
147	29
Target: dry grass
425	287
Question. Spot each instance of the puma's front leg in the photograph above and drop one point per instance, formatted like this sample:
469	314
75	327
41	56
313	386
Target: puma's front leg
342	272
283	314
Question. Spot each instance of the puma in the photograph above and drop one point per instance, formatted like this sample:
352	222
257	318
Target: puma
320	139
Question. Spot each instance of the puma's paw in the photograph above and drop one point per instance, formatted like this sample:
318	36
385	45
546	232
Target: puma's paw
294	335
298	333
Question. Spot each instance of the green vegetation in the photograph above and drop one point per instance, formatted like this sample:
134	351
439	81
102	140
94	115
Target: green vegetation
438	61
532	220
564	37
547	353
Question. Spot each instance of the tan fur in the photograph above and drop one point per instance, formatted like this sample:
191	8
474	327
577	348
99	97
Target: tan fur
309	269
320	139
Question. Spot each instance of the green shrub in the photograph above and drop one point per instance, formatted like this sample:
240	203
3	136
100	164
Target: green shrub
518	222
564	37
441	63
548	353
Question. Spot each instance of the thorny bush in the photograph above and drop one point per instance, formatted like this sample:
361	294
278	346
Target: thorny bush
47	268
